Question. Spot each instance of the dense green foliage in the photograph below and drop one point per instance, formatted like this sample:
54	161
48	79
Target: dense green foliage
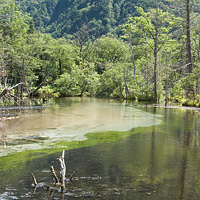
65	17
147	61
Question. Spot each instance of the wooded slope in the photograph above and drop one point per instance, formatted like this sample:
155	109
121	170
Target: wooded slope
65	17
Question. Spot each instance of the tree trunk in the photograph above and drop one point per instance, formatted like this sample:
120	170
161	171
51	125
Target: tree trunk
199	49
166	86
16	89
23	79
188	39
189	63
155	55
132	54
147	72
125	84
83	89
60	66
155	73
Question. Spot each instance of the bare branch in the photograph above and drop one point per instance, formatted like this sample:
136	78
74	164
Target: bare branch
62	171
34	179
39	86
10	88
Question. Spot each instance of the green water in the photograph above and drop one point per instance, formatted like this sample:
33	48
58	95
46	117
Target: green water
121	151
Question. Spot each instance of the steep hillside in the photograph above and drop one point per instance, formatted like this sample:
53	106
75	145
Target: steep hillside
65	17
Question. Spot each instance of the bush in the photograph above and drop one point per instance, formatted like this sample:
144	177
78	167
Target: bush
47	92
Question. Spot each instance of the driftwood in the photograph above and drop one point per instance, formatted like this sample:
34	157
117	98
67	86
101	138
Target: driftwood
57	182
8	118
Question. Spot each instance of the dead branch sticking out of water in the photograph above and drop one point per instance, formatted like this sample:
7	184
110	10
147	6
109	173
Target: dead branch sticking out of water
72	175
34	180
57	182
54	176
62	170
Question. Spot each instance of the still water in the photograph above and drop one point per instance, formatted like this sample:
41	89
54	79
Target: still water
121	151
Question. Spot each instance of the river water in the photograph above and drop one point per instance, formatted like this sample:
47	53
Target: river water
120	151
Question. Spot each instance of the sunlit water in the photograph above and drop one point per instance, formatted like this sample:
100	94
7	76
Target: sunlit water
159	162
70	120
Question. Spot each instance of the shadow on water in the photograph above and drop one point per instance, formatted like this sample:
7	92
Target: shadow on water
149	162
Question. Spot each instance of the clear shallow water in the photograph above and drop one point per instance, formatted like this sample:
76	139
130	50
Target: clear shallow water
159	162
70	119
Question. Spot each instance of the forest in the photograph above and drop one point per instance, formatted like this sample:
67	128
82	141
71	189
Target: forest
139	50
64	17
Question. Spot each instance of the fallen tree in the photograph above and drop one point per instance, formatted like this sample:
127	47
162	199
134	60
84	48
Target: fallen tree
6	95
7	89
39	86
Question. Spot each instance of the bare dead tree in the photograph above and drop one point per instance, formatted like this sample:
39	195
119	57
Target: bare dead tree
81	37
57	182
6	95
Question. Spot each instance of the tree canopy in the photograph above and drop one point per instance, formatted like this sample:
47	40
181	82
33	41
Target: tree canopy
145	58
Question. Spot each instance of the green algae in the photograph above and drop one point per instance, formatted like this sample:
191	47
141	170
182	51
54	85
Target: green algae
13	160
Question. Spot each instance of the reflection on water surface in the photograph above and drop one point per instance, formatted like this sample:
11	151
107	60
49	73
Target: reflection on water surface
157	162
70	119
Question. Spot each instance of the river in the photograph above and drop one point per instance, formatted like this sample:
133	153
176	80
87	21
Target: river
120	151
